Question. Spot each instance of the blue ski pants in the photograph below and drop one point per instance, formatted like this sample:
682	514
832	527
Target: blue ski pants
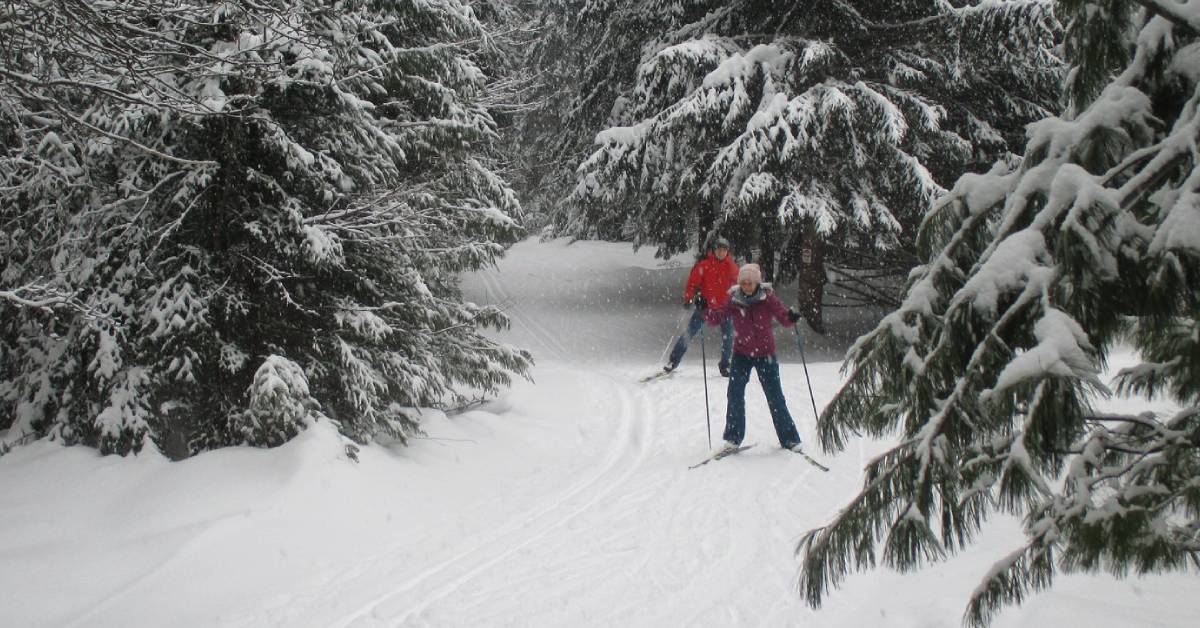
768	376
693	328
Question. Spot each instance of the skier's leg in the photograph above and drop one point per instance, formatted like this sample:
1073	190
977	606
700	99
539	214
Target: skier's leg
735	414
726	344
785	427
694	324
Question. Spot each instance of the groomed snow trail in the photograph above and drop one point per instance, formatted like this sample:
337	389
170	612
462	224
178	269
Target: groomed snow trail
412	599
643	542
635	539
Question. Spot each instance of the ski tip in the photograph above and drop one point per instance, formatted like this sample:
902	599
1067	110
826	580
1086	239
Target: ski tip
656	376
809	459
720	455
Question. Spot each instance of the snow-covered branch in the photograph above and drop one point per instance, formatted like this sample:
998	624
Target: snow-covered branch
39	297
989	368
258	210
1185	13
770	127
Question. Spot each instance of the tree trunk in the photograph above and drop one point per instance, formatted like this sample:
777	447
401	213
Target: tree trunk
810	278
767	235
707	216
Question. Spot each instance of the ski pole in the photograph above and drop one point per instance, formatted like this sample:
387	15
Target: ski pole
679	331
704	369
800	344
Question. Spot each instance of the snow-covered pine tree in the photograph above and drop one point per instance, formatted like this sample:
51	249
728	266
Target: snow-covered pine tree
765	119
990	369
509	92
584	58
261	209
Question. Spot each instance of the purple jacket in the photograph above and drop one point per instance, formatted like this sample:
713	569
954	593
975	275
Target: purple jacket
753	334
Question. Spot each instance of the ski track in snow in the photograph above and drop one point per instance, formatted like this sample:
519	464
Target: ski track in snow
623	523
610	528
190	536
408	600
548	341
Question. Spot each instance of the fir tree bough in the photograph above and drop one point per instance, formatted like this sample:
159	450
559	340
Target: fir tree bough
989	371
223	220
769	120
584	58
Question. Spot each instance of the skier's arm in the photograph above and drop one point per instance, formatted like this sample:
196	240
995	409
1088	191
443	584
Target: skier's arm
731	272
693	282
779	312
717	315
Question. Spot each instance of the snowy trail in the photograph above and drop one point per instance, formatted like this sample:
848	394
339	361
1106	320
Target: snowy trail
565	502
629	530
427	588
545	343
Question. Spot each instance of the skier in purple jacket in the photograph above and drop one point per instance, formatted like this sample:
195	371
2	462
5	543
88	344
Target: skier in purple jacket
752	306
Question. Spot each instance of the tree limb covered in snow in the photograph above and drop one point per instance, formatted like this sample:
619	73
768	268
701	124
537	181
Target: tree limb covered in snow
264	207
989	368
38	297
1183	13
767	128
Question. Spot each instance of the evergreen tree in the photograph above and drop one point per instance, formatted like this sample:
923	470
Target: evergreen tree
510	90
766	119
989	371
259	210
583	60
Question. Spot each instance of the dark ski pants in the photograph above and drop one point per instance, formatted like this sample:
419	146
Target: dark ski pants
768	376
693	328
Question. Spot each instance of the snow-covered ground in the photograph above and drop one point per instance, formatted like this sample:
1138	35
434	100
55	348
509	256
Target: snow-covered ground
566	502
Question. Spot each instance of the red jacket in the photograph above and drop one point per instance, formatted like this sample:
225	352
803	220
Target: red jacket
713	277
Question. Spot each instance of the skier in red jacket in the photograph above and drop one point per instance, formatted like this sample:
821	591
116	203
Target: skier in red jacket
711	278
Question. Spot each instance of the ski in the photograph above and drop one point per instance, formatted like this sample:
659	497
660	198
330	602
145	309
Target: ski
724	453
656	376
811	461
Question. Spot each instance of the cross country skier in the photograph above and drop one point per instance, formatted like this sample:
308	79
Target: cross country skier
710	280
751	306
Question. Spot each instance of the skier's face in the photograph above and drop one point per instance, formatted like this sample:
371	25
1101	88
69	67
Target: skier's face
748	286
720	252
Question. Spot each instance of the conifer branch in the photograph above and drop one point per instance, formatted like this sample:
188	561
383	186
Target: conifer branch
1175	12
989	366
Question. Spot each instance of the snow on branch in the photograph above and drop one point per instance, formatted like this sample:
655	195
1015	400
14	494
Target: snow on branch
1185	13
41	297
254	192
794	122
989	369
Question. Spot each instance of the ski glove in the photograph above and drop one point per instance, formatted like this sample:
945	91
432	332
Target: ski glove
793	315
700	301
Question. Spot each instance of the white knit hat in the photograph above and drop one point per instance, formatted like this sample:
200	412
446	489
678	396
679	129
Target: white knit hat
751	272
